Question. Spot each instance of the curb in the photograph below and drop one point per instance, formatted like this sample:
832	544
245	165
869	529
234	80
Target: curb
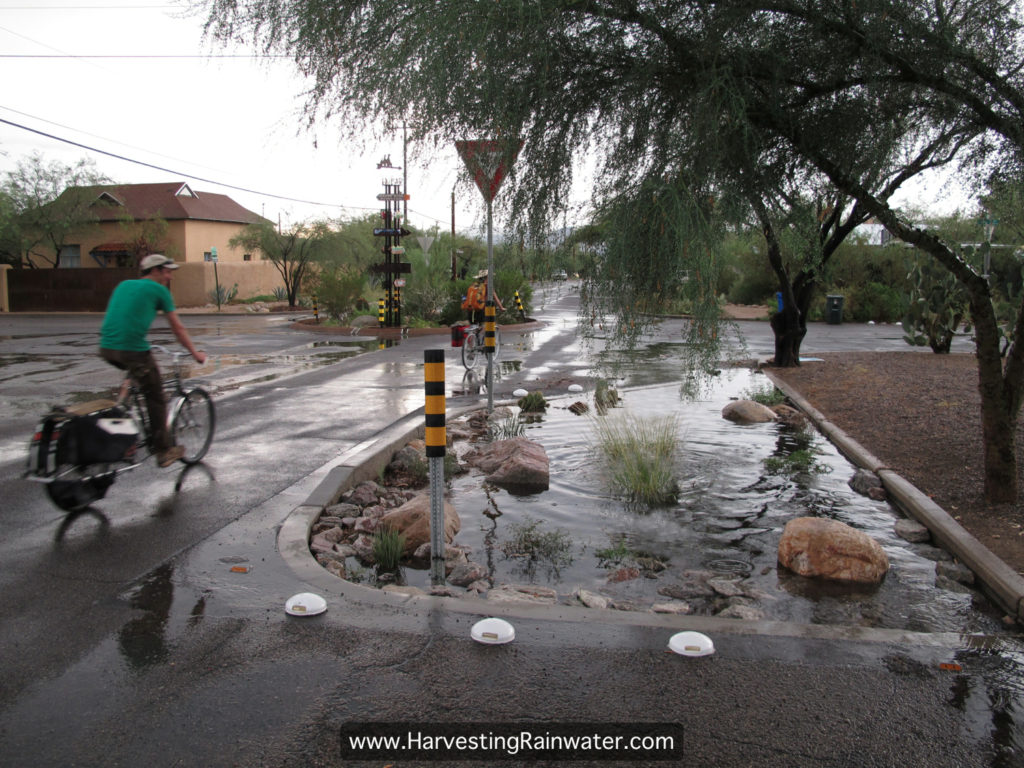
1004	585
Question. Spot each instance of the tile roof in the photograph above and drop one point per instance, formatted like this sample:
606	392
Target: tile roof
171	201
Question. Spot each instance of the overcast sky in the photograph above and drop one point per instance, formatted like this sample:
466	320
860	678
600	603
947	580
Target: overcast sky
133	78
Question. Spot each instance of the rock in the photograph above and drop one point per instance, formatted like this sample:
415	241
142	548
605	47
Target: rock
408	461
747	412
688	591
956	572
623	574
336	511
363	545
815	547
320	544
512	593
741	611
518	465
334	534
366	524
912	531
364	494
863	482
679	608
403	590
725	587
591	599
412	520
465	574
336	568
789	416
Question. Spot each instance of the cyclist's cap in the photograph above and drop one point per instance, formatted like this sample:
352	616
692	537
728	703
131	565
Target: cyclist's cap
155	260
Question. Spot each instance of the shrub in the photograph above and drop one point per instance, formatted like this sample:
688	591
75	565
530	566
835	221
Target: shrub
532	403
338	290
766	395
529	543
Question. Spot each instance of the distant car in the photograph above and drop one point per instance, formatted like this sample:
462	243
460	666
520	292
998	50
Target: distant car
559	275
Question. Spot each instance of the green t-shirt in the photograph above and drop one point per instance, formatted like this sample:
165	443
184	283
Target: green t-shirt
131	310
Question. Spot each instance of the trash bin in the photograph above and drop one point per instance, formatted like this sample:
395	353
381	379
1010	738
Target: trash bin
834	310
458	335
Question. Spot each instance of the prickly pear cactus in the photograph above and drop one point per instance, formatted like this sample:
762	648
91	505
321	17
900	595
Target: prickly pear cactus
938	305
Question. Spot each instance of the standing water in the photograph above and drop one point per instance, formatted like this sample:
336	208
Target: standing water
715	547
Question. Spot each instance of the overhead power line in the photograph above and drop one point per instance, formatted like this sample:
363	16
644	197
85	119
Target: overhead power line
179	173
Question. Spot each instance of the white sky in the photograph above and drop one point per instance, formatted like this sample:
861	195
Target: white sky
234	121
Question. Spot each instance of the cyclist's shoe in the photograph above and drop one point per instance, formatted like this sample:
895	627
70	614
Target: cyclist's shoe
171	455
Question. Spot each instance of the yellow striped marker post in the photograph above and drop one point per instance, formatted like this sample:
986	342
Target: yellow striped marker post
489	347
519	307
380	312
436	443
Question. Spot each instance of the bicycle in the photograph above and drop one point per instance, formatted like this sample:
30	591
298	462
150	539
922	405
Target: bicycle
78	451
473	345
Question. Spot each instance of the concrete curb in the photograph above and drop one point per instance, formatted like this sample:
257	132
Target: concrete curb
1004	585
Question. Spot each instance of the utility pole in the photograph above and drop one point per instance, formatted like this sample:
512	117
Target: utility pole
453	233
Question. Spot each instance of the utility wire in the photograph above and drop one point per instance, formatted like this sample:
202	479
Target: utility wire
179	173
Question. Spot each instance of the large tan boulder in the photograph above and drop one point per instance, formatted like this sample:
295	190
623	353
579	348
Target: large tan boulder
747	412
828	549
412	520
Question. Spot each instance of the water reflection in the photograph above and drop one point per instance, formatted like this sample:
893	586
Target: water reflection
989	691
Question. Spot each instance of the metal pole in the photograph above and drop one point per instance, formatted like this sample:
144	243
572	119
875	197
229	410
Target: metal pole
436	443
489	349
453	234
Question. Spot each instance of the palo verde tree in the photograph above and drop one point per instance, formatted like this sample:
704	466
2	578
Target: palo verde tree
630	84
292	252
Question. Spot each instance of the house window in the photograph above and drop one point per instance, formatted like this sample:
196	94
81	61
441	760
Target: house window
207	256
246	257
70	256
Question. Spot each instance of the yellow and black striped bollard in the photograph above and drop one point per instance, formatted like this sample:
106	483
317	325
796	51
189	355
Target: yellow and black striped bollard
436	442
519	307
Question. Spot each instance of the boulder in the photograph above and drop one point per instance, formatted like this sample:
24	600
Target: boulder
518	465
912	531
828	549
747	412
465	574
364	494
412	520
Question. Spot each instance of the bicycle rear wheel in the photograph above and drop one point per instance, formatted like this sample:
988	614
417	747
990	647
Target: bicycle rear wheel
76	490
470	352
192	425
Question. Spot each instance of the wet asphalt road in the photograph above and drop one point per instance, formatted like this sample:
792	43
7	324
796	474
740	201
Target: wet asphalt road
126	638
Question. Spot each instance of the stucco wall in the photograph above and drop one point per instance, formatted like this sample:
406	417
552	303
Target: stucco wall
193	284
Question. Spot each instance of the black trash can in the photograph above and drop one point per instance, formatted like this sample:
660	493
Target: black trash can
833	310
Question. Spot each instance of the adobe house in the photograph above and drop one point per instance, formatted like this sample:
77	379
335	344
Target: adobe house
197	226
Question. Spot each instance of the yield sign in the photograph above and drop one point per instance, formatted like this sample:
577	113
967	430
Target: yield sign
488	161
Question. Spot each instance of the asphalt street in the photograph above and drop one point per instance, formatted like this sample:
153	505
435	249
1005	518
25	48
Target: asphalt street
153	630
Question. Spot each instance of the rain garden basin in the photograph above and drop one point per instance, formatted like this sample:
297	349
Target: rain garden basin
737	490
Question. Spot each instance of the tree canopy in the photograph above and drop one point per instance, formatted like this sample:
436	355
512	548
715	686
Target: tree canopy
676	101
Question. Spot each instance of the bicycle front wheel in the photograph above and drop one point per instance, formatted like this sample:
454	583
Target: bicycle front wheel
192	425
470	352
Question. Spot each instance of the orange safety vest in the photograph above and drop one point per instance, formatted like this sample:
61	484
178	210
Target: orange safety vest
476	296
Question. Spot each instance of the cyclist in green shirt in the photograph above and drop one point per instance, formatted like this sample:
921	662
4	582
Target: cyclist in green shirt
130	312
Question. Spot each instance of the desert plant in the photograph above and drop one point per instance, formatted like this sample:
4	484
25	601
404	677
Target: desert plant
800	462
388	545
532	403
222	295
507	428
640	457
938	306
765	395
527	542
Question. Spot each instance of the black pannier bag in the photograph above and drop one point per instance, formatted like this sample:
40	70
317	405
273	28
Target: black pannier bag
97	438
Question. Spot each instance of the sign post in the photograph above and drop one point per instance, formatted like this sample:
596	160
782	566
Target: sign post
489	161
216	280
